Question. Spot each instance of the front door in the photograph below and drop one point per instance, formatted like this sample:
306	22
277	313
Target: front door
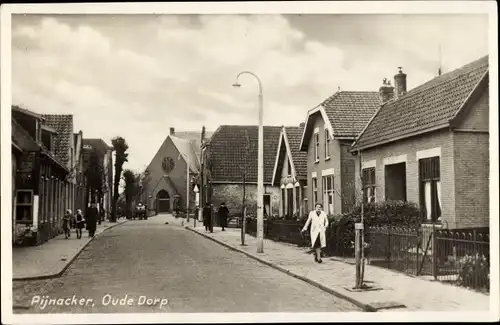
163	201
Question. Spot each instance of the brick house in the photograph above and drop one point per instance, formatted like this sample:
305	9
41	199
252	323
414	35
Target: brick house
40	178
290	173
430	146
229	160
105	155
330	129
165	186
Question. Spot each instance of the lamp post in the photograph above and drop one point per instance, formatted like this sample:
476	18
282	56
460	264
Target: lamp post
260	166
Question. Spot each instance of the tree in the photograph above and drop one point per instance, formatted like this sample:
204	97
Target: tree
131	189
120	147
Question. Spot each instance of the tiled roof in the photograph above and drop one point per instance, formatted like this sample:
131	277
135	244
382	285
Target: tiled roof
349	111
98	144
425	107
63	124
229	156
294	134
186	148
16	108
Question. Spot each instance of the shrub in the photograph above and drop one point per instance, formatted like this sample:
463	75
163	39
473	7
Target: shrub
341	235
474	271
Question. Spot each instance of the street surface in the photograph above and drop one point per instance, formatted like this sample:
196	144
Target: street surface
166	268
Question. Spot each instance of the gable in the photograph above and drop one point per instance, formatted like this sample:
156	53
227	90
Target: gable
167	149
475	115
312	116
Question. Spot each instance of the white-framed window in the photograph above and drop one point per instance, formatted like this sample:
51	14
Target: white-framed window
328	193
430	187
316	146
327	144
315	191
369	185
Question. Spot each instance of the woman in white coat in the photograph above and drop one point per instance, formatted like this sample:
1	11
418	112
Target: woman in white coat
319	222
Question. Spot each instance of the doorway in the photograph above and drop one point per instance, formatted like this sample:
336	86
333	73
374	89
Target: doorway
163	201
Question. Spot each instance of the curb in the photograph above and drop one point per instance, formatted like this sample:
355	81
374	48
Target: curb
58	274
365	307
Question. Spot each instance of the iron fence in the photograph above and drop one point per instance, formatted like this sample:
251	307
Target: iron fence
279	230
458	257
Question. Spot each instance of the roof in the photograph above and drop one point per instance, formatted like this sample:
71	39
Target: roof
63	124
99	144
186	148
22	139
194	137
229	155
16	108
290	139
48	128
345	113
425	108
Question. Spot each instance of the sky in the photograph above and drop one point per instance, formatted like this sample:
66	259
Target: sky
136	76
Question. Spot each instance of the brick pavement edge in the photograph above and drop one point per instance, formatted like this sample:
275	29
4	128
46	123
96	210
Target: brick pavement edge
364	306
70	261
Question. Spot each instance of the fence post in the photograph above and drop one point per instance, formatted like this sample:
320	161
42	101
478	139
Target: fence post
434	252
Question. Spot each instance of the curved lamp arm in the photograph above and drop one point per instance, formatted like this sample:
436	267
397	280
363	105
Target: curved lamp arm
236	84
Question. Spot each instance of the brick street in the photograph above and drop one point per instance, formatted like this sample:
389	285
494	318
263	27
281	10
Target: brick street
151	259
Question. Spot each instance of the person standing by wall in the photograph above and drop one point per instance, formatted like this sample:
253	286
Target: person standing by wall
67	223
318	221
223	213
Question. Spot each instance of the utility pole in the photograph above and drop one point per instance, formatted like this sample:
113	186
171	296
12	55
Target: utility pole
359	232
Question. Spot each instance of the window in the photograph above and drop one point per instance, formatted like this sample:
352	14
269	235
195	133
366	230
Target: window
430	188
369	185
267	205
289	166
328	193
316	146
327	144
24	206
283	211
315	191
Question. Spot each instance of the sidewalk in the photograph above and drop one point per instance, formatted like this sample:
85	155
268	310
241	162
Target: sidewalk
53	257
395	291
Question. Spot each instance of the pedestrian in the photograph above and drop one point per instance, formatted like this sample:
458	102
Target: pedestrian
207	217
318	221
91	218
67	223
223	214
79	221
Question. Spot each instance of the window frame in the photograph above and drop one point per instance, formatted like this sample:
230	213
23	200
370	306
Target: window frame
327	144
429	170
369	182
328	193
314	190
316	146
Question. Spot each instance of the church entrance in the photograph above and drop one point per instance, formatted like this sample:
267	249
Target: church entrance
163	201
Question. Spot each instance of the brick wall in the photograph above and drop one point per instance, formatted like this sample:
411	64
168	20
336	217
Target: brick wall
472	179
232	195
348	186
443	139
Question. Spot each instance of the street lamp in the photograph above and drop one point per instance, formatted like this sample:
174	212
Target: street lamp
260	166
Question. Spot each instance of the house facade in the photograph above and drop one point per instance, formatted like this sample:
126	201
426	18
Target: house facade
329	131
166	183
290	173
229	169
436	151
105	158
41	178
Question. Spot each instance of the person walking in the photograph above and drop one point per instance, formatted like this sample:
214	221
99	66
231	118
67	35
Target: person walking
223	213
79	221
67	224
318	221
91	218
207	217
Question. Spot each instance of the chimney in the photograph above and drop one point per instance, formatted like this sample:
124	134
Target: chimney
172	131
203	134
386	91
400	83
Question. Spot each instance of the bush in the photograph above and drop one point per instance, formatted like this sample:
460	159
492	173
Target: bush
341	235
474	271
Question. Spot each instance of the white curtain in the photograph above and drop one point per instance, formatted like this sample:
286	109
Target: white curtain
428	200
438	189
330	203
